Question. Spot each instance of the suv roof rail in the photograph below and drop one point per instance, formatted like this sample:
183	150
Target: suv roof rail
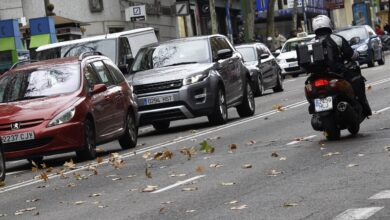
22	61
89	53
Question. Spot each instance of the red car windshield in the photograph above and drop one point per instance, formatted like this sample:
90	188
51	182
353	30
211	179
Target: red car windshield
40	82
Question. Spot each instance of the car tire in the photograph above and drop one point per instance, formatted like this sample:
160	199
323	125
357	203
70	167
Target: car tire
247	107
219	114
295	75
2	165
259	86
371	62
279	83
38	160
382	60
129	138
88	150
161	125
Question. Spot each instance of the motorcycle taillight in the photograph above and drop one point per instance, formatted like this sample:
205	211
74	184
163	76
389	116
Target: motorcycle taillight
321	82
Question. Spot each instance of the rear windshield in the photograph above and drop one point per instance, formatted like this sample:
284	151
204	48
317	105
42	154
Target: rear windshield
40	82
107	47
354	32
290	45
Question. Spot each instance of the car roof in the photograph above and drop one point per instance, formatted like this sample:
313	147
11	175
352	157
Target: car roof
94	38
301	38
249	45
350	28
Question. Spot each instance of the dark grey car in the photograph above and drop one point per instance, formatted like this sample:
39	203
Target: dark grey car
264	70
364	40
2	163
191	77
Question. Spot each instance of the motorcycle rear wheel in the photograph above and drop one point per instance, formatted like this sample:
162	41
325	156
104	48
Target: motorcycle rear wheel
332	132
354	129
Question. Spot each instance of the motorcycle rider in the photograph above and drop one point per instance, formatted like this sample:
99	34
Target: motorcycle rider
341	58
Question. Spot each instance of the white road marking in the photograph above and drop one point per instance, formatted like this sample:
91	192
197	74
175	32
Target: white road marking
161	145
381	195
378	82
303	139
382	110
357	214
179	183
15	172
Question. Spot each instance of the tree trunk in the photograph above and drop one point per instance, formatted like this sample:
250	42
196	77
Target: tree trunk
213	14
295	15
271	22
388	14
248	12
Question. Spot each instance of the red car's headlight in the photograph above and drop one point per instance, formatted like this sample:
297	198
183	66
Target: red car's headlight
62	117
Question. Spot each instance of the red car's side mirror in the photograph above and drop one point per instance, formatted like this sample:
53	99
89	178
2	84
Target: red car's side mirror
99	88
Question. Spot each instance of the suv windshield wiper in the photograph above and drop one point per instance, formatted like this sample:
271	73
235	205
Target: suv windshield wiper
181	63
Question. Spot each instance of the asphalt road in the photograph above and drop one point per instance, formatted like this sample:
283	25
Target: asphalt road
280	169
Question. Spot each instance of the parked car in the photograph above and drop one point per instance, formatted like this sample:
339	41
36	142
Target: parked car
2	163
364	40
287	57
263	68
62	105
191	77
120	47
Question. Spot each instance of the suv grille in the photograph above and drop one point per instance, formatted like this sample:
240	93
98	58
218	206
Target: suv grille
23	124
291	59
155	87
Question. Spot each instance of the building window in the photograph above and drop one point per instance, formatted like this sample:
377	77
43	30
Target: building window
96	5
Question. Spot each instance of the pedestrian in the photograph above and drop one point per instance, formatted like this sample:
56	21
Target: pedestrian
378	30
279	40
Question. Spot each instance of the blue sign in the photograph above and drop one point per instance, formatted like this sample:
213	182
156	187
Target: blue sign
261	5
9	28
360	14
44	25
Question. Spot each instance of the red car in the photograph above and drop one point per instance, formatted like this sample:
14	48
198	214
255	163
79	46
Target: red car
62	105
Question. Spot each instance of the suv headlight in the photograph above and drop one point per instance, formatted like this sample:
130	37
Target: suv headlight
281	61
362	48
195	78
63	117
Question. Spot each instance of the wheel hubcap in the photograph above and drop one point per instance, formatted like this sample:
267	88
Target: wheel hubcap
222	106
250	96
261	88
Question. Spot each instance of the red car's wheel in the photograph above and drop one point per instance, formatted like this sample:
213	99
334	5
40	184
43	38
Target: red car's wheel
88	151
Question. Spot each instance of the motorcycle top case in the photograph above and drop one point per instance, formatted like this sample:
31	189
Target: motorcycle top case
312	56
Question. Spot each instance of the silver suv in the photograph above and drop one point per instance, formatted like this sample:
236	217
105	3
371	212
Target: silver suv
191	77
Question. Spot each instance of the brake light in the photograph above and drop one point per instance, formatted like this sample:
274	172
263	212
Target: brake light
321	82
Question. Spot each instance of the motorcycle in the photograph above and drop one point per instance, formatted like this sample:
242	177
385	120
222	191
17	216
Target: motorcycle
333	105
385	41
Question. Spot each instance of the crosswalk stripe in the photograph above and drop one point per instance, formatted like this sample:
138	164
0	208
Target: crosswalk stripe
358	214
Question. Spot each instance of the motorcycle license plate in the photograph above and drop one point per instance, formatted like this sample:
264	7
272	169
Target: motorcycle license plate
323	104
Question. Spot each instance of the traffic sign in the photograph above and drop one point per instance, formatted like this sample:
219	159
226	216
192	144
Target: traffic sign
182	8
136	13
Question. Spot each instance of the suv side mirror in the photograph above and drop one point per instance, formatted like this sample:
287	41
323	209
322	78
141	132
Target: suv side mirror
276	53
264	56
354	40
224	54
99	88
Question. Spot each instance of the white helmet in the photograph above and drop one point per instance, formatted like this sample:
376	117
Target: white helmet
322	21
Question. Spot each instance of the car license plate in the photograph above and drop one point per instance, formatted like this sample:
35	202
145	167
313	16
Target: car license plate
294	64
323	104
158	99
17	137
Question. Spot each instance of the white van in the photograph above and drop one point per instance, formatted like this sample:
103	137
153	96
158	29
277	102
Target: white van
120	47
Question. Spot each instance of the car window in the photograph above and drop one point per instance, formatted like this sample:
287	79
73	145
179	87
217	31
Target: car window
348	34
103	73
249	53
265	49
115	72
290	45
91	76
124	51
218	43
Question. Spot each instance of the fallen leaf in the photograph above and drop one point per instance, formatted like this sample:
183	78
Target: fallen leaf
148	173
2	184
32	200
322	148
286	205
274	173
188	152
199	169
102	206
116	161
166	203
251	142
22	211
116	179
247	166
239	207
150	188
132	190
44	176
189	189
215	165
283	158
79	203
227	183
95	195
162	210
206	147
232	202
274	154
99	150
387	148
36	214
331	154
190	211
49	170
71	185
233	146
352	165
279	108
131	176
178	175
34	169
147	155
43	166
360	155
165	155
369	87
70	165
99	160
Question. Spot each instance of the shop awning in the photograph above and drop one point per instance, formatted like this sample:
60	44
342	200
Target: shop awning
39	40
7	43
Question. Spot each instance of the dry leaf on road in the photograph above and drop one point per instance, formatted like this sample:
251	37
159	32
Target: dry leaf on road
165	155
274	173
247	166
215	165
95	195
279	108
148	173
147	155
286	204
227	183
369	87
79	203
239	207
274	154
206	147
190	211
44	176
283	158
99	160
331	154
233	146
70	165
178	175
199	169
22	211
352	165
32	200
189	189
149	188
251	142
